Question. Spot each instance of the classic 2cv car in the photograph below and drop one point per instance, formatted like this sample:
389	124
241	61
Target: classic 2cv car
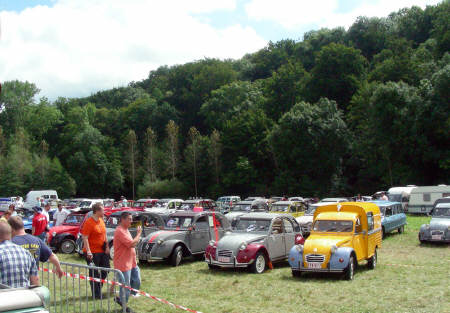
257	240
439	228
185	234
342	234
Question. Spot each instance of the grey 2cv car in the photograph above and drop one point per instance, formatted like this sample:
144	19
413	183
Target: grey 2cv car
257	240
439	228
150	222
185	234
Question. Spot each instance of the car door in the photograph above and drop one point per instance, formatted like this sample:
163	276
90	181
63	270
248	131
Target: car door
275	241
289	235
217	231
359	244
200	235
388	219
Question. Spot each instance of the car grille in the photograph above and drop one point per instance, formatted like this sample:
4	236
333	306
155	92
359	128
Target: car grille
147	247
316	258
225	253
437	232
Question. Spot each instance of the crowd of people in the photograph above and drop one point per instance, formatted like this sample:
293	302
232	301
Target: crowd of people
20	253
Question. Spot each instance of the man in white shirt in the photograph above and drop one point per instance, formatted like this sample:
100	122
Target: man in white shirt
45	212
60	215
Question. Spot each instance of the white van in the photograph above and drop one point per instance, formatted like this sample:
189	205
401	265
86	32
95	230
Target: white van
31	199
401	194
422	199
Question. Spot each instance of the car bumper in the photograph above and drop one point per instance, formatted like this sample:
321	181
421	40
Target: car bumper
233	264
318	270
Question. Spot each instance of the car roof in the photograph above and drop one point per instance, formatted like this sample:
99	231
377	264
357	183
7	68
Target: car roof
383	203
262	215
283	202
339	199
189	213
118	213
338	215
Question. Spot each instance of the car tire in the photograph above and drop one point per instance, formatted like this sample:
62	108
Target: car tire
401	229
111	252
350	270
372	262
421	240
296	273
260	264
67	246
176	256
141	261
383	233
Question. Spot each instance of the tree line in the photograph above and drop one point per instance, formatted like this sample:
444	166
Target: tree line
338	112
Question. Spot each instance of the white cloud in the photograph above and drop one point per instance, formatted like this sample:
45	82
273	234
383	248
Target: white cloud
80	46
295	14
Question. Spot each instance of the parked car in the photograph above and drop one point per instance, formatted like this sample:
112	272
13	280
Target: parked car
334	200
166	206
226	202
342	235
243	207
27	218
185	234
258	240
150	222
63	237
294	208
145	203
438	230
198	205
400	194
392	216
27	299
305	221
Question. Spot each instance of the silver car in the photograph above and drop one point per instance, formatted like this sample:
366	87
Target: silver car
185	234
258	239
439	228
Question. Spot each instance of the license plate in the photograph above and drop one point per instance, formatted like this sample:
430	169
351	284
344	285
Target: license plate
436	237
224	259
314	265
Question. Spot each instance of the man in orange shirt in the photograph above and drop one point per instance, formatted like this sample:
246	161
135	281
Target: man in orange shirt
125	256
95	248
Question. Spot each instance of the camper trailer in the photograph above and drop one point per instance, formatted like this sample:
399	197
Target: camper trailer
401	194
34	197
422	199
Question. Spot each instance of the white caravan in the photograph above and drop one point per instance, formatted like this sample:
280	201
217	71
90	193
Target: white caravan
422	199
34	196
401	194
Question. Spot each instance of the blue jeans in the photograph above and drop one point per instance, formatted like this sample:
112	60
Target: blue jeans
43	236
132	279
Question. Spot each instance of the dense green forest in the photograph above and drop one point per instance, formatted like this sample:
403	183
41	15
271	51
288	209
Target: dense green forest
338	113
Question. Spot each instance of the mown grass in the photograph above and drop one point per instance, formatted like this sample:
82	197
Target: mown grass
409	278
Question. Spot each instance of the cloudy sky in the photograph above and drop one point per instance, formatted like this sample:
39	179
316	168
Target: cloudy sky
73	48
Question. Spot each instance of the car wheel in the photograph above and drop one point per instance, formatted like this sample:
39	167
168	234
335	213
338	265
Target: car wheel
372	263
177	256
67	246
350	270
111	252
420	239
383	233
401	229
296	273
259	266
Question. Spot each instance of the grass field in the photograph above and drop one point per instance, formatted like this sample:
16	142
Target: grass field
409	277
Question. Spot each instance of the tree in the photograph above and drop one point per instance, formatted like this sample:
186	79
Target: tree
194	137
172	130
150	140
214	152
131	143
337	74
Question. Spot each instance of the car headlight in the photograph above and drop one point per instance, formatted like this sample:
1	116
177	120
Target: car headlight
299	248
211	243
333	249
160	242
243	246
54	234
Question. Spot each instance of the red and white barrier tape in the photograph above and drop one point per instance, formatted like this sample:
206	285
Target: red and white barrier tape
114	283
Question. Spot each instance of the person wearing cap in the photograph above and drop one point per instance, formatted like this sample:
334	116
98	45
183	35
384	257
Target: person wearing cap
39	224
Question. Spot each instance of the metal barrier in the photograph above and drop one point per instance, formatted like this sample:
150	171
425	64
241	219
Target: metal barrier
72	293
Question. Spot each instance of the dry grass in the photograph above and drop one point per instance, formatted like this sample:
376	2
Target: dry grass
409	278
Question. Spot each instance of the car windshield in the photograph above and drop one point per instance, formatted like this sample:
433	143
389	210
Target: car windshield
441	211
25	213
279	208
73	219
252	225
161	204
241	207
395	197
108	203
311	210
85	204
188	205
139	204
179	222
333	226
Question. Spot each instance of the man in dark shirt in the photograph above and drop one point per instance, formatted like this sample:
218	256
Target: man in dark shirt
38	249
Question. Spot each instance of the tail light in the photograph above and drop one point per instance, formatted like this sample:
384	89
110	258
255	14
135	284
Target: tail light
299	240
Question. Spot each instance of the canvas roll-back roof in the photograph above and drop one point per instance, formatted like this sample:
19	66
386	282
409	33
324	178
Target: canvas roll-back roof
360	208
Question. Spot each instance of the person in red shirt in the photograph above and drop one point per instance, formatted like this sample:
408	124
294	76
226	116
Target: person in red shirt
39	224
95	248
125	257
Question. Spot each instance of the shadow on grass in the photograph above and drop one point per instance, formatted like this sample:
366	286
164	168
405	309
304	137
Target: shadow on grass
325	278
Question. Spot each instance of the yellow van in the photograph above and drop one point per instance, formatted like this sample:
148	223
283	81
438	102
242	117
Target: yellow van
342	235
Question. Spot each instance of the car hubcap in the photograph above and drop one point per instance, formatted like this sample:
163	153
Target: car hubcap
111	252
67	247
375	259
351	269
260	264
179	257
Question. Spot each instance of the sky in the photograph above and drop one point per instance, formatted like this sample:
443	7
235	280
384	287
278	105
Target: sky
73	48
